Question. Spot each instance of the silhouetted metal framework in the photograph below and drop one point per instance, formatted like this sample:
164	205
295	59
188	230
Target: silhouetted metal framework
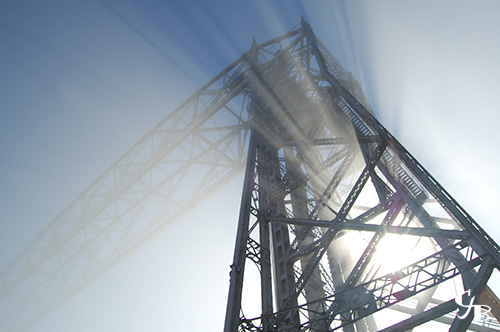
340	227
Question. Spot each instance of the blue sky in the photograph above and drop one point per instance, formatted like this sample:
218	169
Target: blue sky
82	81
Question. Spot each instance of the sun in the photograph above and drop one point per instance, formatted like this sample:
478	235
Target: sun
392	252
395	251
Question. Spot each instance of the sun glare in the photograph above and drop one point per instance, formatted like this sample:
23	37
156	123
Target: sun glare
393	252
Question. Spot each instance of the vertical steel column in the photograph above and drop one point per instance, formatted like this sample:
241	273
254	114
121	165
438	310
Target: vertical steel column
314	290
283	269
265	240
237	268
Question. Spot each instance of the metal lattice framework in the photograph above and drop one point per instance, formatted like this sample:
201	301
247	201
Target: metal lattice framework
339	225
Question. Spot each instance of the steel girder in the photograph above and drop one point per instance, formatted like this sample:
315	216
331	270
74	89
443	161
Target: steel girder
139	195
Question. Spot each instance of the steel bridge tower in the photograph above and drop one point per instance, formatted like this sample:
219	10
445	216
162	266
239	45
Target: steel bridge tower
340	228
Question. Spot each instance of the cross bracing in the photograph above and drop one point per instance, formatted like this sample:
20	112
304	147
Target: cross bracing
327	190
328	194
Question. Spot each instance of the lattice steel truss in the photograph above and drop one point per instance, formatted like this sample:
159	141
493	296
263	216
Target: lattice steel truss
329	198
340	227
